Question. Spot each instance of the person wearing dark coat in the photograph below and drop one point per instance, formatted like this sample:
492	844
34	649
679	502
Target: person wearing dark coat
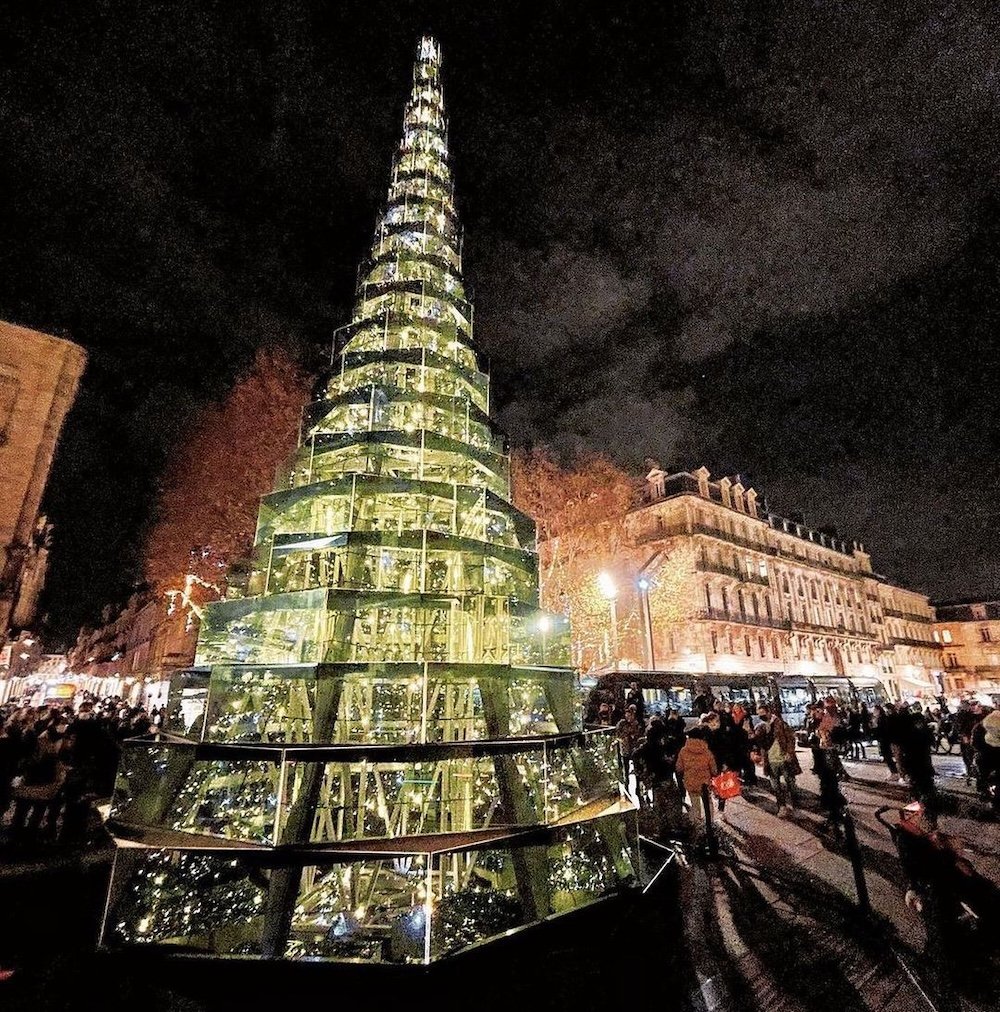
635	698
916	744
719	737
883	731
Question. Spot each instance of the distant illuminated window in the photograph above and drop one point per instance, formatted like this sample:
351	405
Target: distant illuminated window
946	635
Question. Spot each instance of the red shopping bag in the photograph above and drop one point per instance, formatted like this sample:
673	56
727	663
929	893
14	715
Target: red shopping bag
727	785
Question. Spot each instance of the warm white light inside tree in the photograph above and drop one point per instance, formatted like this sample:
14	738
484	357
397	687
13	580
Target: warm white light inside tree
392	624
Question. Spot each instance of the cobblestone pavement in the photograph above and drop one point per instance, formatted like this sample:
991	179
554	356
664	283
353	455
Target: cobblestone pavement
786	904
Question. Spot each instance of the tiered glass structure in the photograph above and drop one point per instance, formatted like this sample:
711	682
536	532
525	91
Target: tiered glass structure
381	759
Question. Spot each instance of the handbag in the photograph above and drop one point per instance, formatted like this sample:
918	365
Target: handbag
727	785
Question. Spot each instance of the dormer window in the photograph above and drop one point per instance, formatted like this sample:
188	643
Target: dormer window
702	474
655	483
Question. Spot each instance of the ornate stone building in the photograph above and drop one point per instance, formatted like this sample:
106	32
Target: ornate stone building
711	582
39	376
969	634
150	638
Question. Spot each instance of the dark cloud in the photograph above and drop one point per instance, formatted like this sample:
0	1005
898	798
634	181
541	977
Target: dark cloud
751	234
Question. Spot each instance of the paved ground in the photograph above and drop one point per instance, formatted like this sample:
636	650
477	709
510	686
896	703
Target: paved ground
787	904
772	925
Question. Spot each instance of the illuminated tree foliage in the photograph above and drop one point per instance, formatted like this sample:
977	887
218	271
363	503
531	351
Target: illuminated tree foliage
580	510
207	513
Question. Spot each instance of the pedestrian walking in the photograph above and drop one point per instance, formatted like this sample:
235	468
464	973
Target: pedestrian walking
883	730
776	741
696	766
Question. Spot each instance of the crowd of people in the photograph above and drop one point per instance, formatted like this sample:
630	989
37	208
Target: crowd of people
55	761
722	735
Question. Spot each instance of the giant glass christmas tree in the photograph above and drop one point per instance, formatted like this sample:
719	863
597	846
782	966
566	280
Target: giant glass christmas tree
380	757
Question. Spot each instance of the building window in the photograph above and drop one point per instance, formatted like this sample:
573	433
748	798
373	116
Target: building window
946	635
9	387
763	568
715	642
746	643
774	649
760	643
767	606
984	632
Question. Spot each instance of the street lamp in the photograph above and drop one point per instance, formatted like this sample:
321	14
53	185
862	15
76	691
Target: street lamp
647	622
609	590
544	625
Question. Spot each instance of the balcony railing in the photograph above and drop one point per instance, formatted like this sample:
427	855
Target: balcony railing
906	641
909	616
661	531
733	539
728	569
718	615
831	630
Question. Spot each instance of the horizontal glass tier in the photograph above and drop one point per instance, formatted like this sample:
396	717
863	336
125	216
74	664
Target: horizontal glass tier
429	179
436	290
415	266
427	215
412	240
389	331
413	561
379	907
395	505
419	138
368	704
330	626
414	206
413	368
421	163
222	792
423	455
379	408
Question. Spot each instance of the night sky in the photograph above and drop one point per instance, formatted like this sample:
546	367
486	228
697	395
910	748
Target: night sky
760	236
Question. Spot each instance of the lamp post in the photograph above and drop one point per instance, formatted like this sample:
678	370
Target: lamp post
647	622
609	590
544	625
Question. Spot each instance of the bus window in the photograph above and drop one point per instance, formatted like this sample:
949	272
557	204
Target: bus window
793	705
873	695
677	697
735	695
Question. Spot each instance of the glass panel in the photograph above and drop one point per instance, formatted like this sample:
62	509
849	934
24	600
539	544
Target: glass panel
187	700
793	705
193	900
372	910
168	788
480	894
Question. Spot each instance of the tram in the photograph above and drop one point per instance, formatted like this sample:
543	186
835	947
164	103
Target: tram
686	692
